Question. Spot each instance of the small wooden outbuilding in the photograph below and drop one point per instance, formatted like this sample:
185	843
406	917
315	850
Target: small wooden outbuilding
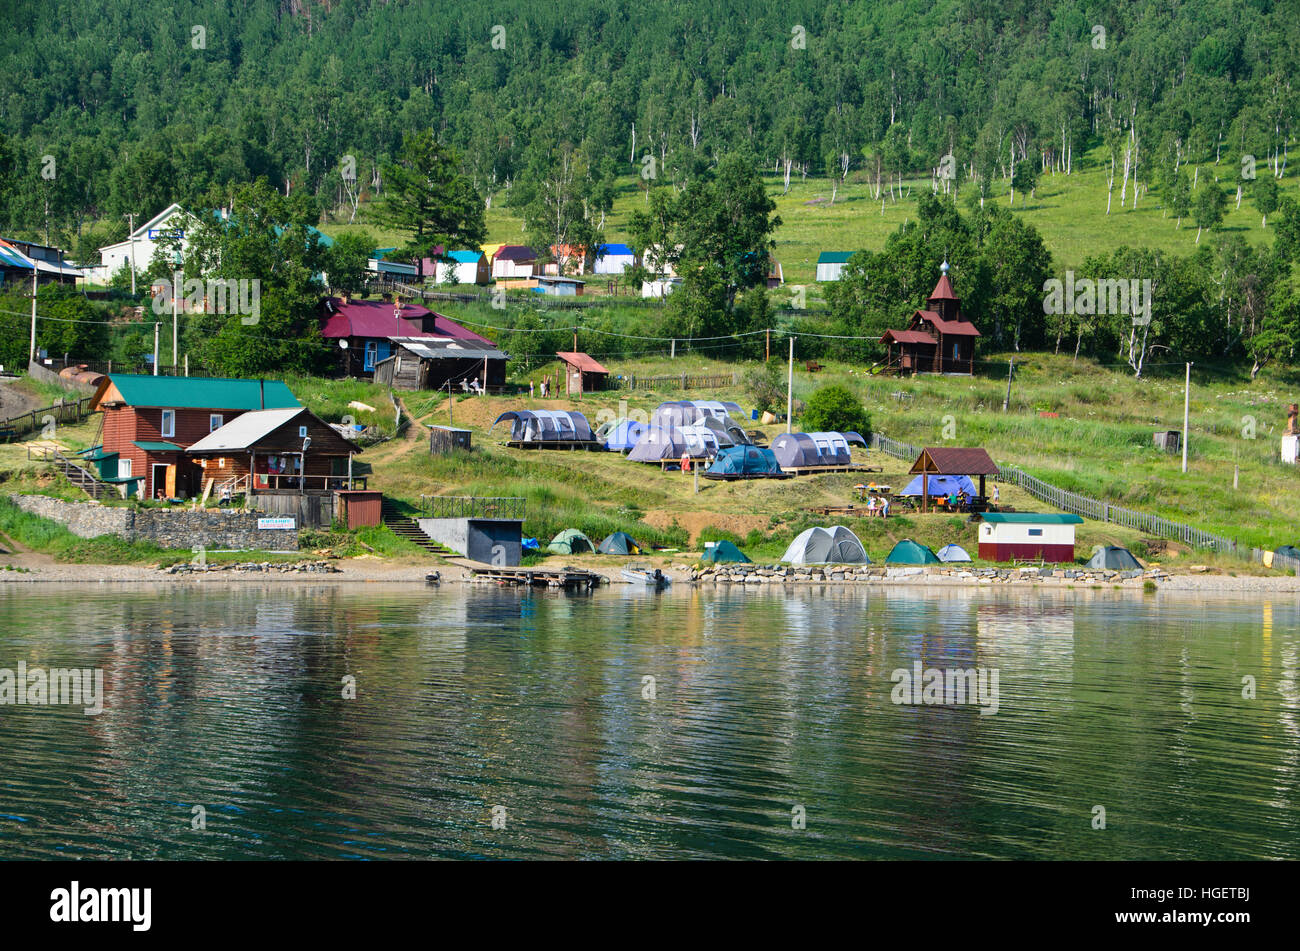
582	374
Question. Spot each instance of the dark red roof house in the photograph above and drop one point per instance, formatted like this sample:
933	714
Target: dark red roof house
369	328
939	339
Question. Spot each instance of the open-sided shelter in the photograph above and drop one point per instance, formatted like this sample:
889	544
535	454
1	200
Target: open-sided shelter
939	486
943	460
822	546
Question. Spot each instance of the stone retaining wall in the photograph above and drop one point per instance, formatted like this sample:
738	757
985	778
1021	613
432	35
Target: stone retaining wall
747	574
170	528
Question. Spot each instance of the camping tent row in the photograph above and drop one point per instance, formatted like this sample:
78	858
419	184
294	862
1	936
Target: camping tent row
839	546
658	444
796	450
541	426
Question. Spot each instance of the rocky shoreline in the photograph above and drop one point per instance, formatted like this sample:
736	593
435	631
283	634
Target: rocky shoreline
847	574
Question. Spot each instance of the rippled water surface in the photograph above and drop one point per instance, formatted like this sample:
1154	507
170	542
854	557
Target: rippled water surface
231	698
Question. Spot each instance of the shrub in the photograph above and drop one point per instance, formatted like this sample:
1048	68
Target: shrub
835	409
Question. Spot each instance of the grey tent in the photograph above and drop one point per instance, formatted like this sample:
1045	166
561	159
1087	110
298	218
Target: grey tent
541	426
953	553
570	542
821	546
1113	558
619	543
794	450
658	443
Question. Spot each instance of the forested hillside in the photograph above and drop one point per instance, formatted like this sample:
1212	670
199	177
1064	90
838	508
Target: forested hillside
143	101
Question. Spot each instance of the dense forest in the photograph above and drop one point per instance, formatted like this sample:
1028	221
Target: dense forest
119	107
140	102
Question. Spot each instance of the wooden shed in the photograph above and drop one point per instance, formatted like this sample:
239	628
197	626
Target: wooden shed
582	374
443	439
360	508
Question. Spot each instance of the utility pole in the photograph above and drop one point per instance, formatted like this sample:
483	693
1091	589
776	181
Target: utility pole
451	406
1187	401
155	348
789	389
768	334
1011	366
175	323
32	356
130	218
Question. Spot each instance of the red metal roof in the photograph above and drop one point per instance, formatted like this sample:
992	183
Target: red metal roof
374	318
942	460
580	361
908	336
943	290
951	328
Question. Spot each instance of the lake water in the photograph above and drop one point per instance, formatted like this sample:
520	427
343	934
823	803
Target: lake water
533	710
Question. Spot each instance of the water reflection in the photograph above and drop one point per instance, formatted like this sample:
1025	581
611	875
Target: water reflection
234	698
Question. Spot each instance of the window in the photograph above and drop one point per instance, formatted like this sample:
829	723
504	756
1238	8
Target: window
124	468
169	422
1035	532
302	432
372	348
215	422
956	351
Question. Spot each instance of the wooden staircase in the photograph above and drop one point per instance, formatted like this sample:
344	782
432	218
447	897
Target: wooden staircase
406	527
78	475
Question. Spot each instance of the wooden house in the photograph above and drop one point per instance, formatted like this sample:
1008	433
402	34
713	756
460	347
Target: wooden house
430	363
514	260
150	422
465	267
830	264
363	332
939	339
275	451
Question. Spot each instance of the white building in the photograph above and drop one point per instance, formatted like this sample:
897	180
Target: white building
830	264
661	287
138	248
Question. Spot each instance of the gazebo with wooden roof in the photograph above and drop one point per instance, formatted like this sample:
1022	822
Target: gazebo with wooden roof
942	460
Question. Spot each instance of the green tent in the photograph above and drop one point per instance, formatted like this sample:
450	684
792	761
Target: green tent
908	552
570	542
723	552
619	543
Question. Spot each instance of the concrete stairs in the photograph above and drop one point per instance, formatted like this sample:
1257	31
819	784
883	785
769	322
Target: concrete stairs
406	527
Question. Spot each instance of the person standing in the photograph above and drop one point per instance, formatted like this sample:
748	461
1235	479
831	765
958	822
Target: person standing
531	390
995	494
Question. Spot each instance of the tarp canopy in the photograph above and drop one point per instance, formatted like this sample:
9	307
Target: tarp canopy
723	552
624	434
1113	558
908	552
942	485
529	425
814	449
570	542
953	553
744	462
619	543
822	546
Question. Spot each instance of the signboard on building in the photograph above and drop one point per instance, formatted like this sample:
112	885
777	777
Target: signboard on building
284	522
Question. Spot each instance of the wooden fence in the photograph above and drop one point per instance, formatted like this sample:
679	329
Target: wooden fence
70	411
682	381
1091	508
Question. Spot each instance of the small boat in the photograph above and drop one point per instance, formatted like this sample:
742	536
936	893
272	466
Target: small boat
644	574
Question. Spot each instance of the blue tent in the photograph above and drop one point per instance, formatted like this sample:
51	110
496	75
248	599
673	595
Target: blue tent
745	462
625	435
942	485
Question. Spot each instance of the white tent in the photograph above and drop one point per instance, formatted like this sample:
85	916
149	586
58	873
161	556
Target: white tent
953	553
821	546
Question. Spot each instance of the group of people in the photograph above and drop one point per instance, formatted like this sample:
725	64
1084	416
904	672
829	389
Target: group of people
878	505
547	388
474	386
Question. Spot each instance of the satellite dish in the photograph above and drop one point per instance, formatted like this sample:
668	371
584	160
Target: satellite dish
343	343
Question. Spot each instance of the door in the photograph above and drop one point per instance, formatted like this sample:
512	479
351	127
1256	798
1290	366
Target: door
157	479
170	478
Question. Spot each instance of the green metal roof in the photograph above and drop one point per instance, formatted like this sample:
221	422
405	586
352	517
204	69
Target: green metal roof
99	455
1040	518
158	446
834	257
193	392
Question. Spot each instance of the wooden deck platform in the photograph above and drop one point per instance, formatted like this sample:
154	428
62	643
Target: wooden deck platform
819	470
565	577
570	444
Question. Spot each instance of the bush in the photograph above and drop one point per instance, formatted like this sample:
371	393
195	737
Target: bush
835	409
765	385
